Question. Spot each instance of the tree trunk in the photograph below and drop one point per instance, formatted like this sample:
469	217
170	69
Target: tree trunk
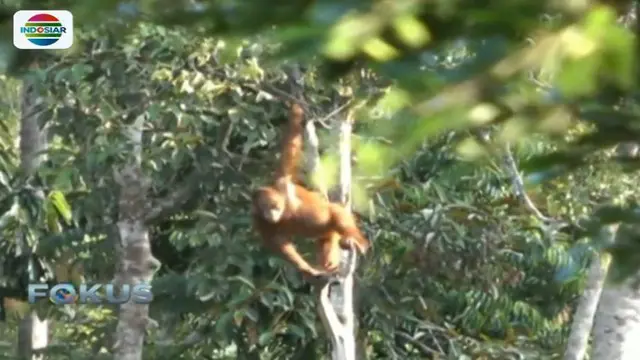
583	317
33	332
616	333
336	297
136	264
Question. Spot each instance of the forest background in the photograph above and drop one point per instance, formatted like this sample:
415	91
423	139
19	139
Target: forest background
494	159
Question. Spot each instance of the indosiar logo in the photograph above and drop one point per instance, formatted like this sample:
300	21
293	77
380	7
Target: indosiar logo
35	29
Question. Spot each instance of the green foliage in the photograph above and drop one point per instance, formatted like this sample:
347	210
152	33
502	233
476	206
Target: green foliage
477	270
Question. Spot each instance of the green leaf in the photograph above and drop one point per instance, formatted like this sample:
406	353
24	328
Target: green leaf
52	218
240	298
205	293
63	179
411	31
79	71
224	322
297	331
578	77
243	280
206	214
58	200
265	338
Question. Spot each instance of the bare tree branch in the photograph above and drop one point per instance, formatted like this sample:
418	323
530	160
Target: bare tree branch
550	225
518	185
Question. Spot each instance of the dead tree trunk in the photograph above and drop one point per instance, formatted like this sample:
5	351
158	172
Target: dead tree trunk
582	322
336	297
617	326
137	264
33	332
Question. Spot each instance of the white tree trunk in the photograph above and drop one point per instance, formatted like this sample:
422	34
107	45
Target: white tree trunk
616	334
336	297
136	264
583	318
33	333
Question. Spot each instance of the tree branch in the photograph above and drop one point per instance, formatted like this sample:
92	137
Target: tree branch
336	308
550	225
518	185
313	165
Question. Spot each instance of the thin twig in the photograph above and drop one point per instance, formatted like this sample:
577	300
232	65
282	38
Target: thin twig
336	111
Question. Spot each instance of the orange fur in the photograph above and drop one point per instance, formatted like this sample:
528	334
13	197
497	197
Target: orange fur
285	210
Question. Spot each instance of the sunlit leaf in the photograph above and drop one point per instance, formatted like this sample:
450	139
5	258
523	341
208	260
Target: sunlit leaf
58	200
